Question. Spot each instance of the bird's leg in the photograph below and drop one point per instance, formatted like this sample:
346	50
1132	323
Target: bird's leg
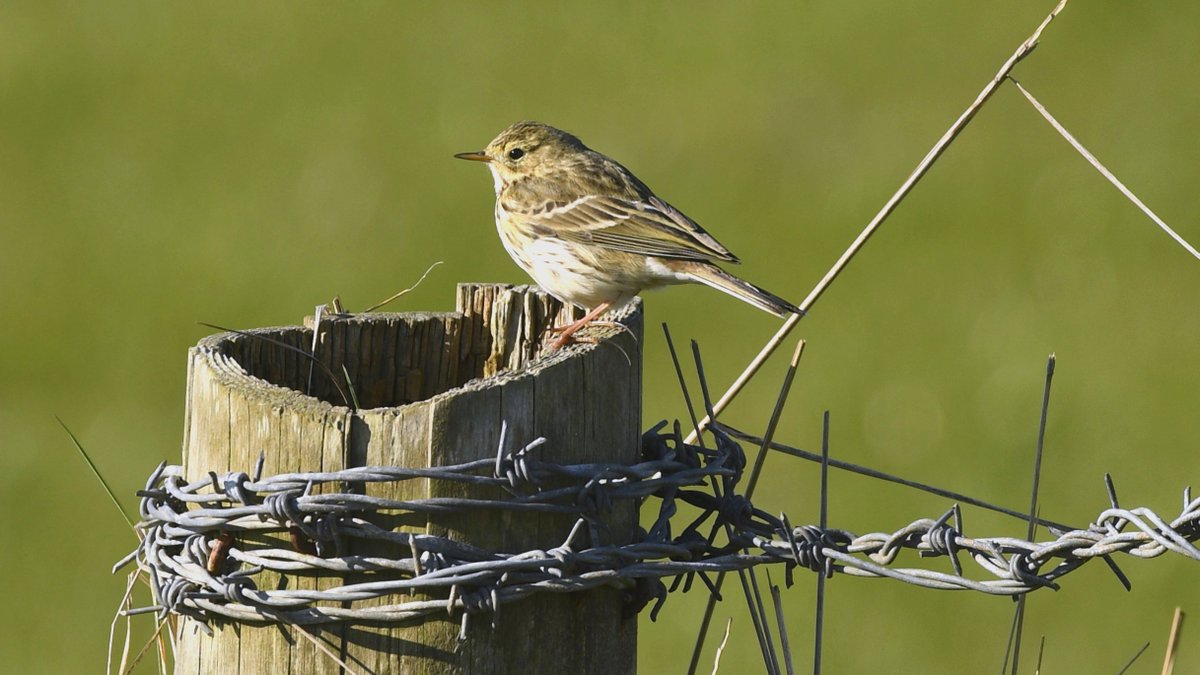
565	332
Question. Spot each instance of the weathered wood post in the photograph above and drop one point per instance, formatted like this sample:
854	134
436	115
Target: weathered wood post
432	389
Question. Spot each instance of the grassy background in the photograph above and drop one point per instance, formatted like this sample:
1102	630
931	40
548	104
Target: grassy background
168	163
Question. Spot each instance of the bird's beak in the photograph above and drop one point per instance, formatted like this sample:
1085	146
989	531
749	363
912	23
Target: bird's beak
477	156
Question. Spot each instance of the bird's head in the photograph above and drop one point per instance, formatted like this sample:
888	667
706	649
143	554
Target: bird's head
527	149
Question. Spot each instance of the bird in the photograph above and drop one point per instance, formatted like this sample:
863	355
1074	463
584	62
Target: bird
590	233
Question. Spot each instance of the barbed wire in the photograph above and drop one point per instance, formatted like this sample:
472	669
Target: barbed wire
198	568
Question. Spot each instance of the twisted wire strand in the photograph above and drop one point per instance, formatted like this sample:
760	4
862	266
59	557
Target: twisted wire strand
198	568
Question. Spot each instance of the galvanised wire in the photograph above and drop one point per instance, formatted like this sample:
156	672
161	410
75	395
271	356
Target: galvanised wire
191	554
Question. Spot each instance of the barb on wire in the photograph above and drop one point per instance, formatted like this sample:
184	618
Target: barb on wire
183	519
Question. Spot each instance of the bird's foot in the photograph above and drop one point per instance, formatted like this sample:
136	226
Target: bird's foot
566	333
565	340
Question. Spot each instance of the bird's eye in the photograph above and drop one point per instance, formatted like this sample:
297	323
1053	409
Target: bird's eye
515	154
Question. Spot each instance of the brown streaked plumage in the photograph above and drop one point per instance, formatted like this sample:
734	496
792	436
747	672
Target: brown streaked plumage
590	233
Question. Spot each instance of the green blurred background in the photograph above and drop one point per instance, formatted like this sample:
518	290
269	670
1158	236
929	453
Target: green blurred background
163	164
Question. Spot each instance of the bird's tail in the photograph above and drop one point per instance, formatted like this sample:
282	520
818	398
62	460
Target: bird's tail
711	275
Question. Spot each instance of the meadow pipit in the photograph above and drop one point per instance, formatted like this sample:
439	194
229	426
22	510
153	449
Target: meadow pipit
590	233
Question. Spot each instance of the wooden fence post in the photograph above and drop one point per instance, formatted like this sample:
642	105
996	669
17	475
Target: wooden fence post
431	389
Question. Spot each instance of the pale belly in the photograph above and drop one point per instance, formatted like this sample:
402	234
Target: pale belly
584	276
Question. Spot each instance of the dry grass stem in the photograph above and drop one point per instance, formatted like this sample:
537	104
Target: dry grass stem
721	647
1037	105
922	168
404	292
1173	642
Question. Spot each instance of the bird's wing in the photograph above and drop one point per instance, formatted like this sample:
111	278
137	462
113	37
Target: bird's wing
644	226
